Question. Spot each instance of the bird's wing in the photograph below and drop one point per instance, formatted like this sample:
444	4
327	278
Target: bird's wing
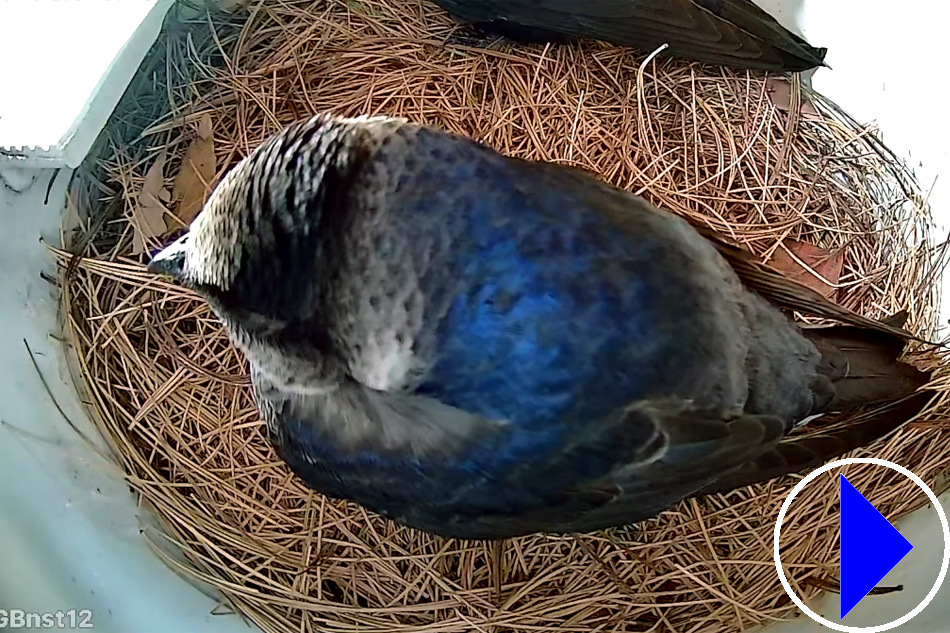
786	293
800	453
756	276
466	477
726	32
658	451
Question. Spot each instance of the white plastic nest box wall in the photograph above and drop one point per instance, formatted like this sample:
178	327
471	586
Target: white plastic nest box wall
63	67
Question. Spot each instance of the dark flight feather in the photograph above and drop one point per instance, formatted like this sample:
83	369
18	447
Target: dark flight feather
725	32
797	454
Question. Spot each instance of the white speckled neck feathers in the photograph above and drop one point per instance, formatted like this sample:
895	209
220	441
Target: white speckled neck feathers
283	182
289	196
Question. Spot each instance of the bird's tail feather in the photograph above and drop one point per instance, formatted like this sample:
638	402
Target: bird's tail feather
747	15
877	392
863	365
800	453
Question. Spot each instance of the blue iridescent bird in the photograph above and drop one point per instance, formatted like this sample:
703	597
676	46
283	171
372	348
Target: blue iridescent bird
483	347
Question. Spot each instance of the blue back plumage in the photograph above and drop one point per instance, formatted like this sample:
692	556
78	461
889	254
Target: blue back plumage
541	313
538	309
551	319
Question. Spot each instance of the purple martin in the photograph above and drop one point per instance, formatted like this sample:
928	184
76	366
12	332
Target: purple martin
483	347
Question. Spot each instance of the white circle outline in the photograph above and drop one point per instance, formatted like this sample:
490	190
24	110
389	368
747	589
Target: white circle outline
943	567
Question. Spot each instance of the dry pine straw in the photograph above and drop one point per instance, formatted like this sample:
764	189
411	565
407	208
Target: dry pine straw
171	394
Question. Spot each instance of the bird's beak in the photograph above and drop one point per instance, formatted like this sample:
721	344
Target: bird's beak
171	260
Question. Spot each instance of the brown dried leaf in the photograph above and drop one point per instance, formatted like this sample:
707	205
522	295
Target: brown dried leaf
73	219
828	265
197	172
780	94
154	180
148	215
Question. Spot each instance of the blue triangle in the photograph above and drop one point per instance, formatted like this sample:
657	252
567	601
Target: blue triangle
870	547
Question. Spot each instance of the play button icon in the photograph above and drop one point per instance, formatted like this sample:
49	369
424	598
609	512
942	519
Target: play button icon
870	546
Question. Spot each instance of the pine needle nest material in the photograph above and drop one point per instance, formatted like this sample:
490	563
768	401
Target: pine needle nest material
728	149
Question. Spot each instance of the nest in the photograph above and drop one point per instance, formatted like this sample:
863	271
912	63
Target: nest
757	158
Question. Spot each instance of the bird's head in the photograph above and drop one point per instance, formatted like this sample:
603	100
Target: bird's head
208	257
259	245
